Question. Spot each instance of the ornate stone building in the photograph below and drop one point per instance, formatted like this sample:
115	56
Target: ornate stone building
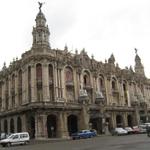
53	93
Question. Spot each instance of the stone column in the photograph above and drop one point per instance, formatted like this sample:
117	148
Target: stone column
108	92
40	126
63	88
56	82
24	123
76	86
125	123
33	84
61	83
113	120
3	96
84	118
9	94
46	96
24	86
16	91
62	131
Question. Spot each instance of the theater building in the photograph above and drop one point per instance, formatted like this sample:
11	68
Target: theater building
53	93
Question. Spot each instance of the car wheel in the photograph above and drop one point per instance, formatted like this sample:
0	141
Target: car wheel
8	144
26	142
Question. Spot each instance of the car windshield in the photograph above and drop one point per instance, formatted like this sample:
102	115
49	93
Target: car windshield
10	137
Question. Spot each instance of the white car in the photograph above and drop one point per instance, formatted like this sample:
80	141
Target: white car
129	130
16	139
119	131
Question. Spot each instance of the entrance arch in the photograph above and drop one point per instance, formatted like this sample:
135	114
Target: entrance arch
12	126
32	127
19	124
5	126
72	124
129	119
51	126
119	121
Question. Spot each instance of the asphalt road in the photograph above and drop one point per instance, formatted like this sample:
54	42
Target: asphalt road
129	142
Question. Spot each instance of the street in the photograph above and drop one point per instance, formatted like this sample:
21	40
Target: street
128	142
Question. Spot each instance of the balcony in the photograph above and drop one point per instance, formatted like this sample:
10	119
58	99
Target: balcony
69	83
83	96
87	87
115	92
99	97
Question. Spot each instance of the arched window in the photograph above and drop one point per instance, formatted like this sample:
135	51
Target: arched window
113	84
20	86
51	82
39	82
68	74
86	79
20	79
39	72
13	90
101	83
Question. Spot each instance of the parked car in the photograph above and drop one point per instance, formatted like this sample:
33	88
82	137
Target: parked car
3	136
136	129
93	130
129	130
119	131
83	134
15	139
142	128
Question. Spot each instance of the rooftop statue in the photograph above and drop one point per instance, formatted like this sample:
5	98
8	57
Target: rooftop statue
40	5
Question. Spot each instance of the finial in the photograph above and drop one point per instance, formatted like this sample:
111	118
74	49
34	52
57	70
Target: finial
135	51
66	47
76	52
40	5
92	56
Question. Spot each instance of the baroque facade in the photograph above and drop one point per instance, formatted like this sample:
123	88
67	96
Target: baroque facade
53	93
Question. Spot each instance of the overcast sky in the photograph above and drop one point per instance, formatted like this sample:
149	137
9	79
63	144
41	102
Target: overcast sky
102	27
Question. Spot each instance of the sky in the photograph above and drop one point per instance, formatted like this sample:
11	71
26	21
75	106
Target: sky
102	27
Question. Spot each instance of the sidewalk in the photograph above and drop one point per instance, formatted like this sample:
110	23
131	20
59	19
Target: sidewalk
48	140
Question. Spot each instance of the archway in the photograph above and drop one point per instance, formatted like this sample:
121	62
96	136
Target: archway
129	118
72	124
12	126
32	127
51	126
96	123
119	121
5	126
19	124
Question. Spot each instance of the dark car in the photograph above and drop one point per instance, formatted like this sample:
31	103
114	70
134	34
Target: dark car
83	134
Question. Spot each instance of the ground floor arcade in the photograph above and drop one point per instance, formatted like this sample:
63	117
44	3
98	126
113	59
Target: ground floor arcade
61	123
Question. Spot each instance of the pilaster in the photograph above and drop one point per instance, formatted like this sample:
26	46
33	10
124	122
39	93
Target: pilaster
46	93
16	91
62	125
3	96
40	126
33	84
9	94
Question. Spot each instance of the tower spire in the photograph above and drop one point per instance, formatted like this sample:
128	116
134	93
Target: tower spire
139	69
40	31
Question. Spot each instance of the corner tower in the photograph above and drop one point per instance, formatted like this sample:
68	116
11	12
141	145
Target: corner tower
40	31
139	69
